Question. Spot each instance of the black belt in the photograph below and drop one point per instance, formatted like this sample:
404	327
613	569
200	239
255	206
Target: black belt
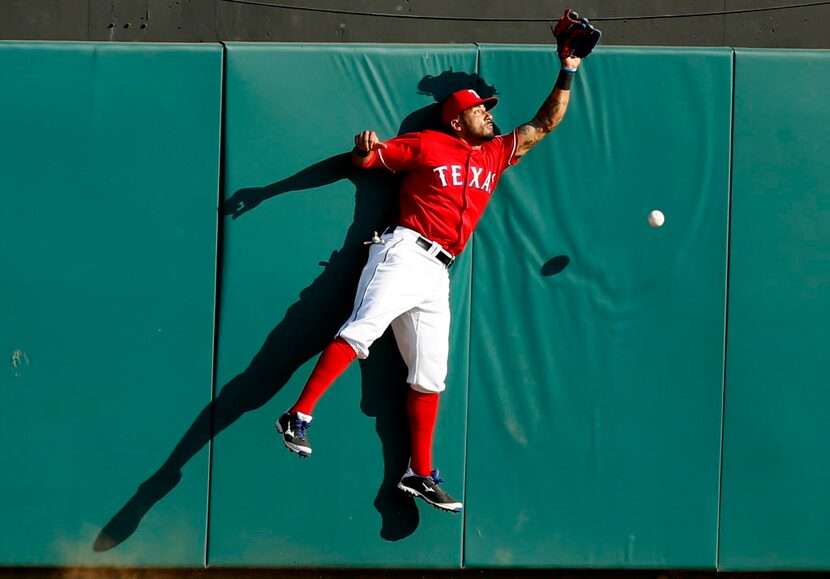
444	257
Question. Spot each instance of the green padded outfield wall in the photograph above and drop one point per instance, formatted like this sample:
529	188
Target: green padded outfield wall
775	472
583	417
597	341
297	217
109	184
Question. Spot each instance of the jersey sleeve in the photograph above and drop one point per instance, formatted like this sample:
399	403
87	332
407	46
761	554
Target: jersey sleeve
509	144
402	153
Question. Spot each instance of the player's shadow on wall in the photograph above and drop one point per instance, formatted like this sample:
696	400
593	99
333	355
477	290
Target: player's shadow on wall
308	326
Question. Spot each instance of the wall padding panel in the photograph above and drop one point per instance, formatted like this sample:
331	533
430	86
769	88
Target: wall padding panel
298	215
597	342
775	473
109	183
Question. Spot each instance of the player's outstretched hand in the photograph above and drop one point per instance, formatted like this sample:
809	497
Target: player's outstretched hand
368	141
571	61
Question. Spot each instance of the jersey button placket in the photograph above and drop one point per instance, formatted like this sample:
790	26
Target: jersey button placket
464	198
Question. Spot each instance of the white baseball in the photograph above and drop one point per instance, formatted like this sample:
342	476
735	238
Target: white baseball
656	218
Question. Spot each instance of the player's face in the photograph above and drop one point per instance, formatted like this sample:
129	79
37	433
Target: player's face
477	124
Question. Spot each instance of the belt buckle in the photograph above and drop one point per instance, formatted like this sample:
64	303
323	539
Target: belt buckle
435	249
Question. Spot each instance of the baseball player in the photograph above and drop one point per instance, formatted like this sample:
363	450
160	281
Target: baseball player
448	179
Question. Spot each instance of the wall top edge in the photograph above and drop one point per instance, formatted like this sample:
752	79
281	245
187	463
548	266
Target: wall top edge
109	45
613	49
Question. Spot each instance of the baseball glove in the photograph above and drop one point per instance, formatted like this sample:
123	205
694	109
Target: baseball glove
575	36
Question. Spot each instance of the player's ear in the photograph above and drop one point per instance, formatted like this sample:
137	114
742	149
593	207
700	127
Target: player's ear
455	125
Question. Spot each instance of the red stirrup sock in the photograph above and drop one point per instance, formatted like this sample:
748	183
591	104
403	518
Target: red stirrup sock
422	410
333	361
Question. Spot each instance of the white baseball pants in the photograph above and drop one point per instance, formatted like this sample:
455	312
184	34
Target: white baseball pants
406	286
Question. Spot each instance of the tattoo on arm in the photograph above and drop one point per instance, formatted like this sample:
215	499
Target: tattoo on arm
549	116
528	135
552	110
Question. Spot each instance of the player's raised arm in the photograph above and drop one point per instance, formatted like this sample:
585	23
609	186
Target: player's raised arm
575	39
552	110
365	145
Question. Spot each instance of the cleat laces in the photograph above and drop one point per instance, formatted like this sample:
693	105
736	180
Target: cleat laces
300	426
435	478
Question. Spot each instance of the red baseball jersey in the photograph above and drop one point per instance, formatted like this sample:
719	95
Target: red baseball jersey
447	184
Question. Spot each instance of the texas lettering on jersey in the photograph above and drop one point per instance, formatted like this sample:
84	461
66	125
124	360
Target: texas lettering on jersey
447	184
456	173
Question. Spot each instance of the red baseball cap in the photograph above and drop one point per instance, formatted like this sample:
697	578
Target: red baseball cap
462	100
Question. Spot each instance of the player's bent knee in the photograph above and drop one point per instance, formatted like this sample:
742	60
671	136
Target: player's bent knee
360	348
428	387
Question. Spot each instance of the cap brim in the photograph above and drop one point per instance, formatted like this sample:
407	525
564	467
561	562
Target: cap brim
489	102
